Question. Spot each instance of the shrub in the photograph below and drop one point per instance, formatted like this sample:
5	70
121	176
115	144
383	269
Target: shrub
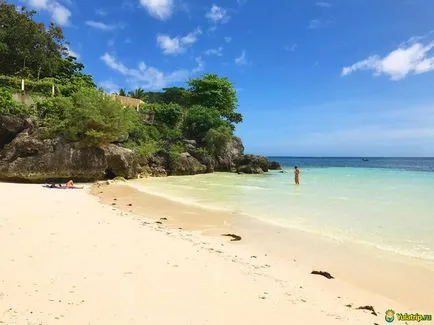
217	139
147	149
168	114
89	116
43	86
9	106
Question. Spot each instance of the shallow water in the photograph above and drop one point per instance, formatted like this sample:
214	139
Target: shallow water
389	205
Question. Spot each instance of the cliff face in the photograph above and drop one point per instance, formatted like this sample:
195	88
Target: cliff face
25	156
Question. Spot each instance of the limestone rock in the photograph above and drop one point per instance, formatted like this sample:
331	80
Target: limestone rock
10	126
27	158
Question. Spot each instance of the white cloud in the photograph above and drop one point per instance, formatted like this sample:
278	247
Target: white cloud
314	23
228	39
39	4
291	48
323	4
177	45
59	13
200	65
149	77
101	12
410	59
218	51
109	86
99	25
217	15
160	9
242	59
70	52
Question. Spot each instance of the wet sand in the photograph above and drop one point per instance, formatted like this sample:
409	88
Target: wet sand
390	275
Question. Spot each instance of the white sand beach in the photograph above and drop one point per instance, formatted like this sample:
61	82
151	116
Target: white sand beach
65	258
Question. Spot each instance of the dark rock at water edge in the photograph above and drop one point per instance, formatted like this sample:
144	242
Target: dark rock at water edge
185	164
274	165
252	164
226	161
155	166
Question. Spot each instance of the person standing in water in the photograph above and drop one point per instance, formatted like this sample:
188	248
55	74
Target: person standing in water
297	175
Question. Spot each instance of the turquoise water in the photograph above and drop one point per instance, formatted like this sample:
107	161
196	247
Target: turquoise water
389	208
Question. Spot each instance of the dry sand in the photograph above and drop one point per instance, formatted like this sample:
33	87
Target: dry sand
67	259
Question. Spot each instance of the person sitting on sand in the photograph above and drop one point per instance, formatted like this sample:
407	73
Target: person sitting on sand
297	175
70	184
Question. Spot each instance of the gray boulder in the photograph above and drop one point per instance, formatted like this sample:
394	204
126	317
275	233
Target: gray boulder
28	158
274	165
10	126
252	164
154	166
185	164
231	156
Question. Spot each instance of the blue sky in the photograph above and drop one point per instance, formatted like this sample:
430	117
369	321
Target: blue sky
314	78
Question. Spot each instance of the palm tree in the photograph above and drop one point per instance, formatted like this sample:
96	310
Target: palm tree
122	92
139	93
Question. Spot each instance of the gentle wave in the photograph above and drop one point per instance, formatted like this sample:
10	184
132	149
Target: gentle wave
388	209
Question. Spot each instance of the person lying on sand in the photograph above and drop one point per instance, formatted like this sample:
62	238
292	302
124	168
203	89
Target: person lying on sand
68	186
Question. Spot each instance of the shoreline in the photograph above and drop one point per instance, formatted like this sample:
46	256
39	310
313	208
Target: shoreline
68	259
389	274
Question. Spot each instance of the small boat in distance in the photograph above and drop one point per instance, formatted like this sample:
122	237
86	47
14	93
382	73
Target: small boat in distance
365	159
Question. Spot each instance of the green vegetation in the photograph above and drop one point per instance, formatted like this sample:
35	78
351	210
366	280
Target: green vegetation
205	111
10	106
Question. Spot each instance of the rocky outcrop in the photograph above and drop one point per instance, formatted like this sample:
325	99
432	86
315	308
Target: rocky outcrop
155	166
232	154
274	165
252	164
227	161
28	158
185	164
10	126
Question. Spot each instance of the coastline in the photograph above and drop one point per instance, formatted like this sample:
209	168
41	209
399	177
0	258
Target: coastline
365	267
69	259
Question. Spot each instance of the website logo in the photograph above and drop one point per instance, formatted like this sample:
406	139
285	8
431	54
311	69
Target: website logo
391	315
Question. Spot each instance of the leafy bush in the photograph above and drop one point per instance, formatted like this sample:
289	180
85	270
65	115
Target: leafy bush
168	114
43	86
9	106
217	139
89	116
147	149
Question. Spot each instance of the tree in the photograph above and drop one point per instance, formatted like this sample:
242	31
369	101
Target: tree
28	48
168	114
176	95
122	92
199	120
139	93
216	93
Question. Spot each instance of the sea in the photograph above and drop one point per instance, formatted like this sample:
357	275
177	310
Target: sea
386	203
